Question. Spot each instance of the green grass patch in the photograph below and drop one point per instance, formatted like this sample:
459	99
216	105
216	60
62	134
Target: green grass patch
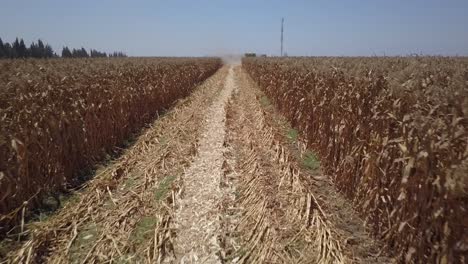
144	230
292	134
129	183
311	161
163	141
133	179
69	199
264	101
6	245
84	241
164	187
237	194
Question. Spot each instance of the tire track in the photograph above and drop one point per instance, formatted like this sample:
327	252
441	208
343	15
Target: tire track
198	215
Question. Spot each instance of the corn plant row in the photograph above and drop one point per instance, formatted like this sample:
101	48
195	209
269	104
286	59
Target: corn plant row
61	117
393	135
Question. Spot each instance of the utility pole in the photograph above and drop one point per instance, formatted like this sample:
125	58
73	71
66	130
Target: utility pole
282	22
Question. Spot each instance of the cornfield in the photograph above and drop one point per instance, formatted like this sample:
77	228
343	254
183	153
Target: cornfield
392	134
59	117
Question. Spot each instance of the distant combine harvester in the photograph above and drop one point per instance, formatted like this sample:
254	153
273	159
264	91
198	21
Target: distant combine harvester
254	55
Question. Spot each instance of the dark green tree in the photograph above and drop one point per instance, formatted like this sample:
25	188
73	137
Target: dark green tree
48	51
2	49
22	50
117	54
80	53
8	50
15	49
41	48
84	53
34	50
66	53
97	54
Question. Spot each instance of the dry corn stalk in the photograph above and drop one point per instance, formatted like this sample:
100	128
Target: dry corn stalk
392	132
59	117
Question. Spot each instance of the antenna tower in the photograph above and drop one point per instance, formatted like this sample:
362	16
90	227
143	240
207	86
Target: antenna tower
282	22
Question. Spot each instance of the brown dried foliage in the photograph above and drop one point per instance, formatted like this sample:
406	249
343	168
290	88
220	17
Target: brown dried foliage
393	134
59	117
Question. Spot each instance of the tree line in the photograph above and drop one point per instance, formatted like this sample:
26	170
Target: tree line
18	49
82	53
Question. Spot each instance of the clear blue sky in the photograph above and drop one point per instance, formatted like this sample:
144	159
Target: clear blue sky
194	28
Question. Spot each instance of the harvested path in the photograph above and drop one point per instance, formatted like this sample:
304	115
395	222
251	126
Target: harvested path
198	215
217	179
